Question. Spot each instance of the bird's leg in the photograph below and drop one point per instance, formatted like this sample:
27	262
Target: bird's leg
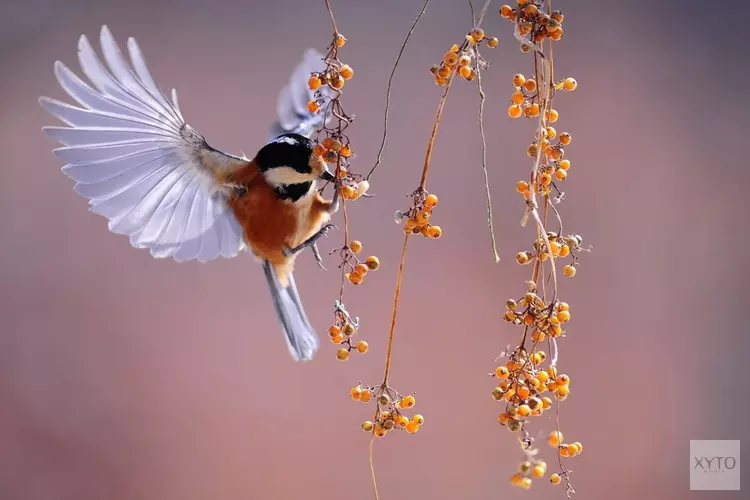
334	206
309	241
318	258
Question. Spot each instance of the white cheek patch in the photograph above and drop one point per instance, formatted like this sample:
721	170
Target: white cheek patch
286	175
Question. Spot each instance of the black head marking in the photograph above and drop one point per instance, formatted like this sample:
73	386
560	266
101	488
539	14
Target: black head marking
286	150
293	192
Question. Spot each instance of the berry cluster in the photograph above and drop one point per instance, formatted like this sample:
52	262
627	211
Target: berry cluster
463	59
334	146
416	220
389	413
533	22
529	384
559	247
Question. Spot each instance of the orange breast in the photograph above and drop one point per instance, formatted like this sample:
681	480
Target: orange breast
271	224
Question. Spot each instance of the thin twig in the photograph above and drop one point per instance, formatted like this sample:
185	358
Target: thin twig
431	143
484	11
333	20
388	90
372	468
396	297
484	164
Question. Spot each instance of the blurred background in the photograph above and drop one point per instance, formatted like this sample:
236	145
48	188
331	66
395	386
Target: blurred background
128	378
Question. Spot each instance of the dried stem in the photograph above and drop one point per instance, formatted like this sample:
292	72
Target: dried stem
396	297
333	19
484	166
431	143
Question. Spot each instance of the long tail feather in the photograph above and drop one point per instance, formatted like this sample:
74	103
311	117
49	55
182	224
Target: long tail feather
300	336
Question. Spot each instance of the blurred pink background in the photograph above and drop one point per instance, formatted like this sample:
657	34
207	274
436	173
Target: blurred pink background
128	378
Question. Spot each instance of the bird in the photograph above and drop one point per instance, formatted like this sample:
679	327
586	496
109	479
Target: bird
157	180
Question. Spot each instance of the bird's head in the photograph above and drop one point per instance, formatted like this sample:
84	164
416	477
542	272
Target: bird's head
288	161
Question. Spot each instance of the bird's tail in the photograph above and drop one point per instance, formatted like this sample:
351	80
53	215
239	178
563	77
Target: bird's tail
300	336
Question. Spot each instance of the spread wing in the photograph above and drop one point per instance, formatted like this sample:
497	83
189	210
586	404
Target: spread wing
291	105
139	163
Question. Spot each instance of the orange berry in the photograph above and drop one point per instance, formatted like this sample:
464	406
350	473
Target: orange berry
502	372
356	393
464	60
505	11
524	410
477	34
379	430
579	446
314	82
334	330
519	80
431	200
555	479
557	34
554	248
366	396
523	257
569	271
465	72
337	82
340	40
418	419
555	438
361	269
560	174
337	339
343	355
493	42
515	111
562	380
402	421
532	150
355	246
533	110
538	471
373	263
441	81
552	115
518	98
342	172
434	232
522	186
538	336
408	401
450	58
412	427
570	84
563	316
523	392
546	403
346	72
562	392
367	426
530	85
328	143
348	192
551	132
346	151
545	179
564	164
319	150
565	138
354	278
444	71
362	347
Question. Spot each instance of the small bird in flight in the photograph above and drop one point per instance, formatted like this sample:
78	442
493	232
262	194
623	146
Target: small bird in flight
157	180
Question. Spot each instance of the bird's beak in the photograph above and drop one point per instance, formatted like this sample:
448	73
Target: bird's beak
327	176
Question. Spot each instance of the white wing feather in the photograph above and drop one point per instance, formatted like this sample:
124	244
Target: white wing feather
291	104
139	163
